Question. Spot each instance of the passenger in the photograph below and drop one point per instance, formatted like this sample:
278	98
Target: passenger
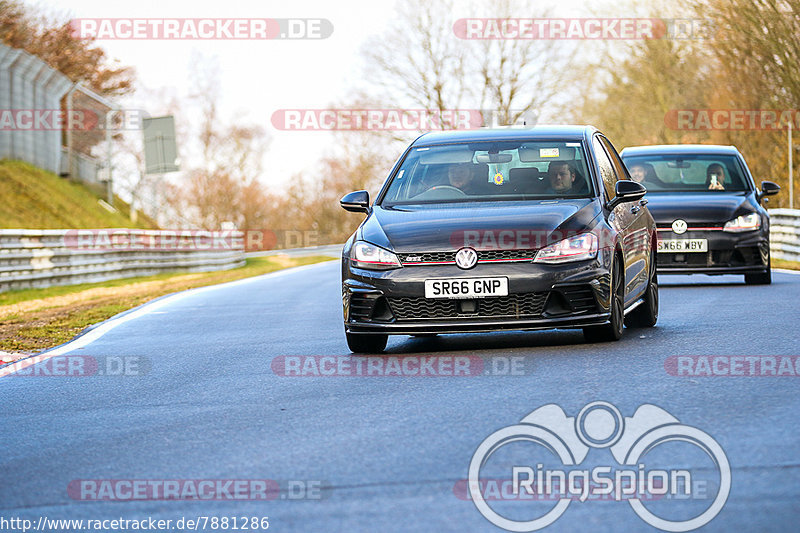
715	177
561	176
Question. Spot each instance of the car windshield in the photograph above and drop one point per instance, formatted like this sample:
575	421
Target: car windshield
687	173
490	171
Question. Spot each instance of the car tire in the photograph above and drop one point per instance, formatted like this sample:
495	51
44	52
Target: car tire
760	278
360	343
646	315
613	330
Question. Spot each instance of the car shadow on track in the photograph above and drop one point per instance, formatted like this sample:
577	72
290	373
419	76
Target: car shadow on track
704	284
487	341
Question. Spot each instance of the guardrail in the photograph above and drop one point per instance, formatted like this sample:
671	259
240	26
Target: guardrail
784	234
43	258
328	250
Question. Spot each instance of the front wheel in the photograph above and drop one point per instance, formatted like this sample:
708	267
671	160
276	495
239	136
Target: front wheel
360	343
646	315
761	278
613	330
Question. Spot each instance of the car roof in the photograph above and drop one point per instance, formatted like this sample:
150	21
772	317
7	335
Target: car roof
545	132
680	149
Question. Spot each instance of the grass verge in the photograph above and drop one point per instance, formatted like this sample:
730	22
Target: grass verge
788	265
37	319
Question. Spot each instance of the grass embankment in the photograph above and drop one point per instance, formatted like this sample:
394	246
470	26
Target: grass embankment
782	263
37	319
36	199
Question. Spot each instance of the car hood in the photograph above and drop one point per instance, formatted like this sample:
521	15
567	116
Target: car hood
715	207
444	227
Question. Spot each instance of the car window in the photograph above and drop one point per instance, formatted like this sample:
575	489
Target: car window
491	171
607	173
688	172
616	162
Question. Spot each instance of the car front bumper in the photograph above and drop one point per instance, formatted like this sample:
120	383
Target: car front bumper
540	296
728	253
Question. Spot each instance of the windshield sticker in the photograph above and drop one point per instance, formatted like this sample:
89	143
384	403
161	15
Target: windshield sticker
498	178
548	152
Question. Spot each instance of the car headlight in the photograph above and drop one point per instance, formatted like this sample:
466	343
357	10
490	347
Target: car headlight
742	223
369	256
576	248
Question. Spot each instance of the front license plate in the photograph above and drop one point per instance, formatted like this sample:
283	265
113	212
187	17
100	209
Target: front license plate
683	245
466	287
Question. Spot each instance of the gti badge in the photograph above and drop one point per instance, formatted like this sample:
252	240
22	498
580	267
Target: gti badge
679	226
466	258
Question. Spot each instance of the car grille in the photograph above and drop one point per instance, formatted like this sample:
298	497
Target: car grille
686	259
450	257
512	306
747	256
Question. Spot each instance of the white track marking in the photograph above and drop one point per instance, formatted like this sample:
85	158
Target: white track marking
104	327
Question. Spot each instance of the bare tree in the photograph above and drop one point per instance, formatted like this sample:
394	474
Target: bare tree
422	62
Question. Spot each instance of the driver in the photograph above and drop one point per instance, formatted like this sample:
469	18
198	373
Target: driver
460	176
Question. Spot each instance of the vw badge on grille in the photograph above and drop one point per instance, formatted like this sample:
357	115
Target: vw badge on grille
679	226
466	258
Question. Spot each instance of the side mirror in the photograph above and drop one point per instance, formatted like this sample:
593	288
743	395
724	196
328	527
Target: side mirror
357	202
768	188
626	191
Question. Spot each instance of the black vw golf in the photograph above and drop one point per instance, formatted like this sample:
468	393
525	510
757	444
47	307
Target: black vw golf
505	229
708	211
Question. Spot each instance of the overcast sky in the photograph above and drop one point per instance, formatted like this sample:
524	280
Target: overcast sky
258	77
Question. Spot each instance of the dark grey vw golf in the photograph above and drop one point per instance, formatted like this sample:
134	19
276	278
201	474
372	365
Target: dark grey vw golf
707	208
505	229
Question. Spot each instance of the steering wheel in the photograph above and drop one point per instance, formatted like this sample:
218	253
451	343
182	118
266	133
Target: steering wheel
448	188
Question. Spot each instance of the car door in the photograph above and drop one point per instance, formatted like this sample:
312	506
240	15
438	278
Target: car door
637	243
620	217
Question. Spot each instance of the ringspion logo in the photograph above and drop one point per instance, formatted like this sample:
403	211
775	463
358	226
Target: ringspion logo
542	457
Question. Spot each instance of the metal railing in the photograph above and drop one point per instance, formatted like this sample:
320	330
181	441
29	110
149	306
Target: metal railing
43	258
784	234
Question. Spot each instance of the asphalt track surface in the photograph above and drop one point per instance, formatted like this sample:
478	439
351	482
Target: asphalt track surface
387	452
